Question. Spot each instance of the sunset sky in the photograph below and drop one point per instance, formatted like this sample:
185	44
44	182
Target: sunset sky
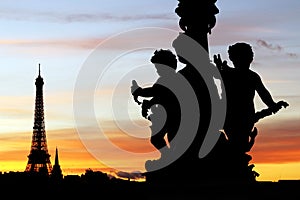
111	42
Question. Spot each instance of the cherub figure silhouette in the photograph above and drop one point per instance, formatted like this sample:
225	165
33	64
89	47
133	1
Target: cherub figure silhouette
241	83
164	106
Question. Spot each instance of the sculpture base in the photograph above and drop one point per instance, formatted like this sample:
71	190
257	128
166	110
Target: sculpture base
221	166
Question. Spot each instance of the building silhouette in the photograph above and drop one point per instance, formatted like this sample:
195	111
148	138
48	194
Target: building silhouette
39	158
56	173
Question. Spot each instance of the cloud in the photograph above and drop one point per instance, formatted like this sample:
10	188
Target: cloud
264	44
80	43
15	112
158	37
277	142
136	175
292	55
38	16
127	137
274	48
100	17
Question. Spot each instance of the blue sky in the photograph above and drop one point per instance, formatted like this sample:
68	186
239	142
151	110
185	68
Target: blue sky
61	35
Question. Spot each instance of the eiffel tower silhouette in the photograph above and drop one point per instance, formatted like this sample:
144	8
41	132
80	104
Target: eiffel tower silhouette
39	158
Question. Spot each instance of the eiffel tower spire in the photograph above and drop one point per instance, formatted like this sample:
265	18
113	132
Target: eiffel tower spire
39	158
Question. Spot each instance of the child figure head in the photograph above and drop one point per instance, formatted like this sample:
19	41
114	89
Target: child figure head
165	61
241	55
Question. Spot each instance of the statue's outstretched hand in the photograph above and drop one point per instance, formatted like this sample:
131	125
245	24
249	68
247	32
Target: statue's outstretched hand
278	106
270	110
282	104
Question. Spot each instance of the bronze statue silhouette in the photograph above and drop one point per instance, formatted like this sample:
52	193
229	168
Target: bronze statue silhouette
197	19
241	84
164	106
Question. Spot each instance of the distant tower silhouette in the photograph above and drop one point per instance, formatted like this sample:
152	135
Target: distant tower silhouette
39	158
56	172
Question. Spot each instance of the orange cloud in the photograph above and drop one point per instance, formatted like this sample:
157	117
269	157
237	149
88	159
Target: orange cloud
277	143
131	144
